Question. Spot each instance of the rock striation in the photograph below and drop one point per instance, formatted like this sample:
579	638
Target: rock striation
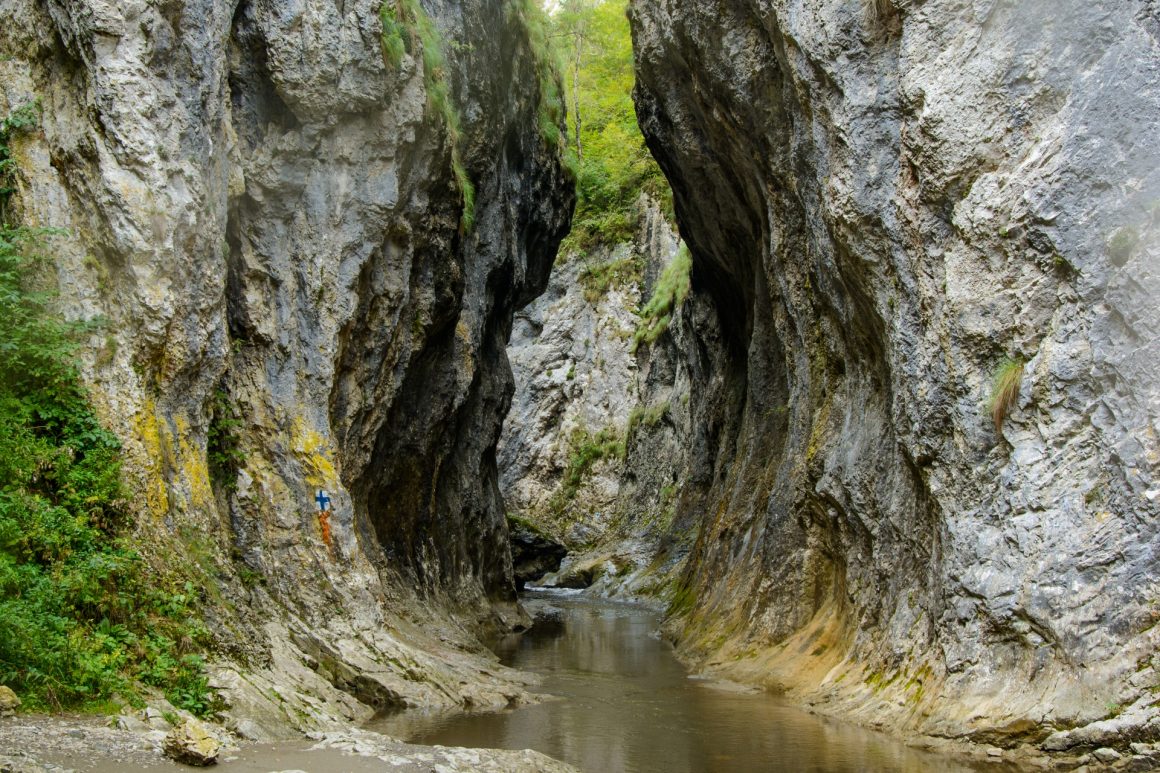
891	206
306	227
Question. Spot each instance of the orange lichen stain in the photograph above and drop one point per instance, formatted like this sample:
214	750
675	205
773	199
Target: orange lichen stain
324	526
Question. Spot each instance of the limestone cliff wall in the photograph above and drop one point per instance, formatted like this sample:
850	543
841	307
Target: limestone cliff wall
265	209
885	203
578	374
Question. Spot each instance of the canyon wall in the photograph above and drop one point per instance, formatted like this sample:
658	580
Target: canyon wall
594	450
892	207
305	228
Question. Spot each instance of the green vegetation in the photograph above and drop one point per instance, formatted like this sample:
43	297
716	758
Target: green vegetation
223	450
612	163
20	119
393	36
682	600
404	22
648	416
1005	391
80	617
598	279
550	115
670	292
586	450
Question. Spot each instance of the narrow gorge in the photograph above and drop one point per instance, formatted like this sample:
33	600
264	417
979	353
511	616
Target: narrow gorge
854	372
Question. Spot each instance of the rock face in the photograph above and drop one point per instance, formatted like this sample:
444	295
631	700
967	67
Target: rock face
534	554
583	383
273	217
579	372
9	701
575	375
886	202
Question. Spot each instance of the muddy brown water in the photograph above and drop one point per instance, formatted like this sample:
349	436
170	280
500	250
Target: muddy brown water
622	704
626	705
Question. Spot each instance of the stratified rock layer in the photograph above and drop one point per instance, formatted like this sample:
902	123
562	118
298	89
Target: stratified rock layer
264	209
886	201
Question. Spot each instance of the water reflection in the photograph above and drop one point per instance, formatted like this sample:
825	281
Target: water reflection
626	704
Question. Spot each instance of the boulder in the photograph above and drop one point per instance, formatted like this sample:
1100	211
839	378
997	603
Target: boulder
192	743
8	701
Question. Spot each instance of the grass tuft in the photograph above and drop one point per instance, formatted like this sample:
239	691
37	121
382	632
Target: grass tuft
586	450
600	278
671	290
393	35
1005	391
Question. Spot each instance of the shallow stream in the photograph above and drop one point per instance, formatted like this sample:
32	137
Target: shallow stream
622	704
626	705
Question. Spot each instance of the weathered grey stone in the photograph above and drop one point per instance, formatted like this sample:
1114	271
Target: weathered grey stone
885	201
576	369
1104	754
192	743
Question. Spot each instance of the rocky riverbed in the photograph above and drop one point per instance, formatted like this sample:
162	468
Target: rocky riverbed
75	744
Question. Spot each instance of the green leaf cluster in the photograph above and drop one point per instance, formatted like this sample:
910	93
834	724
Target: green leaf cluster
223	444
80	619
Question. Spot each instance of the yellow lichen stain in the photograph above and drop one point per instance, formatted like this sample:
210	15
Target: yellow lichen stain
315	453
467	351
194	467
149	430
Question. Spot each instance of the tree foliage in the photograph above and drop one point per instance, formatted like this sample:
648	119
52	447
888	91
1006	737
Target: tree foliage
613	165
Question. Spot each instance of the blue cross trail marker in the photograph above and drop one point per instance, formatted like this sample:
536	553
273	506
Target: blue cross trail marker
323	500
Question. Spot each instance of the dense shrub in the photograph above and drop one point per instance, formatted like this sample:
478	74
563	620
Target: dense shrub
80	618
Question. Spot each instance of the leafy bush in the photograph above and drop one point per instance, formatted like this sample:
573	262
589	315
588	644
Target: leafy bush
80	619
671	290
223	446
